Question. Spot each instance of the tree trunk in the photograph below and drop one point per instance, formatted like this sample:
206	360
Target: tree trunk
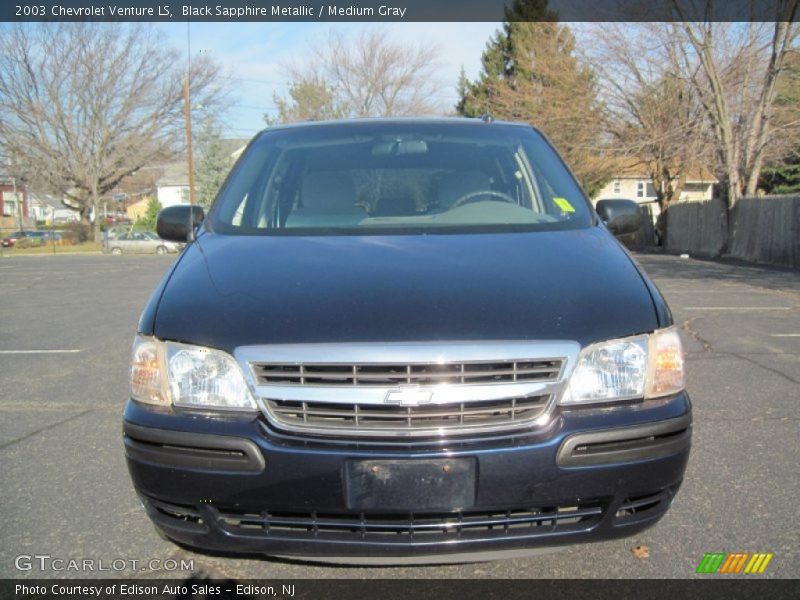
733	185
86	221
760	127
755	174
660	176
96	237
677	189
733	192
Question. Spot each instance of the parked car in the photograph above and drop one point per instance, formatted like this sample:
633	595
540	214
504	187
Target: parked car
44	236
401	340
154	236
141	242
12	238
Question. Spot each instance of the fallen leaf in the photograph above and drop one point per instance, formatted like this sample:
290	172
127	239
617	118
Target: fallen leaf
641	552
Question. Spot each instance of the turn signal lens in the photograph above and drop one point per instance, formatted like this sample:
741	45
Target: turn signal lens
666	372
147	372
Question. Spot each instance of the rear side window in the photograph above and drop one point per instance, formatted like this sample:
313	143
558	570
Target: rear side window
395	177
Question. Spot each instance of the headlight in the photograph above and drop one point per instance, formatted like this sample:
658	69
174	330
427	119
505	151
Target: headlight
645	366
188	376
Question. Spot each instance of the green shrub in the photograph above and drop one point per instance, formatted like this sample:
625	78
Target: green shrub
29	243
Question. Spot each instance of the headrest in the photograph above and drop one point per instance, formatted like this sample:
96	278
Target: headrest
328	192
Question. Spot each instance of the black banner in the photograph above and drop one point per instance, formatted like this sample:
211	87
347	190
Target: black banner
392	10
198	588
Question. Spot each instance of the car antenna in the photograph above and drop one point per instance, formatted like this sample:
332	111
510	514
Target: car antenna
487	118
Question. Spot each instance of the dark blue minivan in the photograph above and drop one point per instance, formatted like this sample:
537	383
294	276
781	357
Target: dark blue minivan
404	340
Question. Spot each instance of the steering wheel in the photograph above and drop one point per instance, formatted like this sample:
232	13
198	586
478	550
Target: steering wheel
491	195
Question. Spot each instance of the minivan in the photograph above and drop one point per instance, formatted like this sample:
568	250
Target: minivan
404	340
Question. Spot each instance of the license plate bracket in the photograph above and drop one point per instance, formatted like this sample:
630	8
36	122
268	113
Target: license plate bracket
410	484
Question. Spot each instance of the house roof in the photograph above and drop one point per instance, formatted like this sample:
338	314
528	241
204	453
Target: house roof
48	200
172	174
177	173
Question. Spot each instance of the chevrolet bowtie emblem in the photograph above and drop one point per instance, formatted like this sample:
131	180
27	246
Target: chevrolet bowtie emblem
408	396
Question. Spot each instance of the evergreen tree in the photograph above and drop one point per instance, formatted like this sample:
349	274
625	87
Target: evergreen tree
530	73
213	163
310	99
783	177
147	222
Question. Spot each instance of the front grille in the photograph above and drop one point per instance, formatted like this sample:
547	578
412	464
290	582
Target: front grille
401	528
376	417
426	391
472	372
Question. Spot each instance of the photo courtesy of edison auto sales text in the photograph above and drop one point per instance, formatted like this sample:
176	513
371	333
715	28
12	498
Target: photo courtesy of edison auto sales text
166	589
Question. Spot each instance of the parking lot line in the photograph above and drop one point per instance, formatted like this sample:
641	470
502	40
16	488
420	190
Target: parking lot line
785	335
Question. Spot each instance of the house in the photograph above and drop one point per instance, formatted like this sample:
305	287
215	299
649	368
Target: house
14	206
632	182
51	209
173	185
138	209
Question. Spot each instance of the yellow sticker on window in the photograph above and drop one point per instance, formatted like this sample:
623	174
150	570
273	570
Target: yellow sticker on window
564	204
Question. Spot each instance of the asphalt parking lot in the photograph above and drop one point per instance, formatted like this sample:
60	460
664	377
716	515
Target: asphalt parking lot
66	324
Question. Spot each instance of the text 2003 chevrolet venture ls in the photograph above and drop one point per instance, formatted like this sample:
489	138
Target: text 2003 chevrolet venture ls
404	340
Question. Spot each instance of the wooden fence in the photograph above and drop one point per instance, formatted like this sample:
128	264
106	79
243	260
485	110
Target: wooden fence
765	230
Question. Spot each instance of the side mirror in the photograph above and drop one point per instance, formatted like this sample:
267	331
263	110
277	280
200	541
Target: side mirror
620	216
177	223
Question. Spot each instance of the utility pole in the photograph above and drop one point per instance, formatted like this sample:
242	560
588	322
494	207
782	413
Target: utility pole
187	109
53	227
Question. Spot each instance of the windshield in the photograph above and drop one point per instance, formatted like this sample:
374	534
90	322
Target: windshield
390	177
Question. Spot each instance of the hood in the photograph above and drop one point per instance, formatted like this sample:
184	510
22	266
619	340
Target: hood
229	291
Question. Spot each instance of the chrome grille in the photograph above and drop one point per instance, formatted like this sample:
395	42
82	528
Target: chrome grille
403	390
462	416
394	374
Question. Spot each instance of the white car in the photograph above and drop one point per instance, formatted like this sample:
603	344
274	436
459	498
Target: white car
142	242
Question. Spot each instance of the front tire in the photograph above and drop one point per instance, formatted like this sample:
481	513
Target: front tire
116	251
161	250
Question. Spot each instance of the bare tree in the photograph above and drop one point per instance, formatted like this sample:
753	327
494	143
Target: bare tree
734	69
366	75
84	105
652	113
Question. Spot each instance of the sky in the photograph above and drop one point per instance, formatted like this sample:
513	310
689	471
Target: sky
254	56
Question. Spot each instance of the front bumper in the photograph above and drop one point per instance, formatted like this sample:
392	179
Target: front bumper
230	484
